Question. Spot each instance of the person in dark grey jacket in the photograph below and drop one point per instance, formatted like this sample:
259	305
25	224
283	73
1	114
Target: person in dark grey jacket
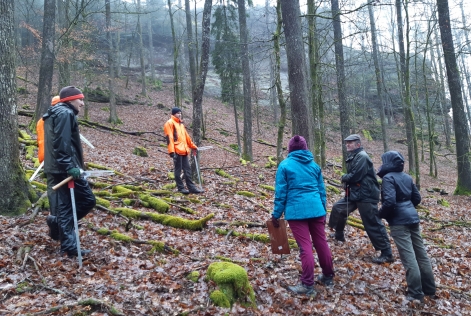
362	192
63	157
399	197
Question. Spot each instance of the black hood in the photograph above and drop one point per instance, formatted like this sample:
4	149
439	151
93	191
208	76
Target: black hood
393	161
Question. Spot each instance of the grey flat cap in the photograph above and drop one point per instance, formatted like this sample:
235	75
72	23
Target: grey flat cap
353	137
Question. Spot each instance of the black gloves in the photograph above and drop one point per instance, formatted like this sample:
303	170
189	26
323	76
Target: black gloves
74	172
275	222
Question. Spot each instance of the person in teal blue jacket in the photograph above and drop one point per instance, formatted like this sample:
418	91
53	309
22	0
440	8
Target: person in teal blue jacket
300	195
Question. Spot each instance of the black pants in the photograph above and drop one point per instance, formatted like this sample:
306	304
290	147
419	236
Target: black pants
181	163
84	202
373	225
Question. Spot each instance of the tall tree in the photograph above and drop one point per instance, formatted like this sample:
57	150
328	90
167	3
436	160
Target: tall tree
316	87
151	42
203	70
141	49
279	89
113	119
244	56
64	42
176	80
463	186
297	74
191	48
378	75
14	199
345	125
46	66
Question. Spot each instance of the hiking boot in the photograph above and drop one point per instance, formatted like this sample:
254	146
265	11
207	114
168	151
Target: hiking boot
326	280
410	298
337	237
184	191
302	289
74	253
383	259
196	191
53	227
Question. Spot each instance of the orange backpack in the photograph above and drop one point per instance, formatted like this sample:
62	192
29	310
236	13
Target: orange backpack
40	131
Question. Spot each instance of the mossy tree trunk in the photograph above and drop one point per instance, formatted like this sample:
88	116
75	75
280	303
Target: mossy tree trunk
14	198
279	89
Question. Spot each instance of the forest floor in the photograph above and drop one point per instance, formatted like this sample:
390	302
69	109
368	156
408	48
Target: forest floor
125	278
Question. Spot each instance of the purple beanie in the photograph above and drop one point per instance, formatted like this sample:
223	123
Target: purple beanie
297	143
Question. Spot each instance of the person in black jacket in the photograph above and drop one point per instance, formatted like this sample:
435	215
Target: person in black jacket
63	157
362	192
399	197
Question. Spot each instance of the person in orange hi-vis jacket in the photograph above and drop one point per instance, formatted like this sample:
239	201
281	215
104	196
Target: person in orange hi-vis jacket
180	145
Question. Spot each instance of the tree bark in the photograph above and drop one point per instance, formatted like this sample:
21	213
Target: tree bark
463	186
244	56
64	42
113	119
345	124
191	49
46	67
141	49
176	80
14	198
297	71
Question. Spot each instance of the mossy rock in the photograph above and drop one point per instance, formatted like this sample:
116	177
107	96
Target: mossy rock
233	282
157	204
246	193
140	151
193	276
220	299
268	187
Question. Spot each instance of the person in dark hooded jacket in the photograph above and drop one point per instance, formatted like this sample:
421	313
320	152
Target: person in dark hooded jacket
399	197
63	157
300	195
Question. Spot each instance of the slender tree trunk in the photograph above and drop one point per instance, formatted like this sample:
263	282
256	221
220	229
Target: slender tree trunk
297	71
176	86
63	64
463	186
191	49
316	87
201	79
279	89
141	49
378	76
244	55
273	103
236	118
151	50
14	199
113	119
46	67
345	127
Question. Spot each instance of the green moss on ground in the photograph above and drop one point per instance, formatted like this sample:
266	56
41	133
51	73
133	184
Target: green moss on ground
233	282
157	204
331	188
268	187
140	151
246	193
193	276
220	299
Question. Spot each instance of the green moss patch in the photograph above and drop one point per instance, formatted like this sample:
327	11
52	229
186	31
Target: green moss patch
232	282
246	193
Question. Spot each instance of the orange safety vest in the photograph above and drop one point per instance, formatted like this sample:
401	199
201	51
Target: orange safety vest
40	131
178	140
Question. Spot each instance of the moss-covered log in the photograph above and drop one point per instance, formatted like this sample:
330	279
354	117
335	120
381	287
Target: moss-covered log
168	220
257	237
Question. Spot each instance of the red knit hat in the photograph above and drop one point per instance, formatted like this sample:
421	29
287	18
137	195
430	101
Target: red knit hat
70	93
297	143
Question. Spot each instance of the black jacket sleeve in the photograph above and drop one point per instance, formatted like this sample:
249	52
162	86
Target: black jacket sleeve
63	150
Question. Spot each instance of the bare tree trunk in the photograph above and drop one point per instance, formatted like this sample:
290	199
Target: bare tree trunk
273	103
297	71
463	186
191	49
151	48
63	64
46	67
176	87
244	55
345	127
113	119
141	49
378	76
198	95
14	198
279	89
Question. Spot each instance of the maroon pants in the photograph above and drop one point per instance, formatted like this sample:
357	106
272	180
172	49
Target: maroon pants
303	231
